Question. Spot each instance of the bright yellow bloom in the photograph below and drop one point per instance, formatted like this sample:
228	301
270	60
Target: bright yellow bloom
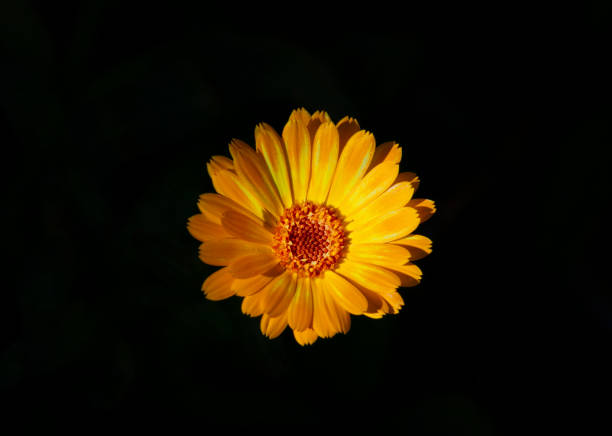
312	226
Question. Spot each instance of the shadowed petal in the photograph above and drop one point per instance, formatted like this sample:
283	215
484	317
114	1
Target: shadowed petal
218	285
272	327
204	230
424	207
305	337
252	265
243	227
418	245
221	252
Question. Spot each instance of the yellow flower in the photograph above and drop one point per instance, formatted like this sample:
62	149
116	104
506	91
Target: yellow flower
312	226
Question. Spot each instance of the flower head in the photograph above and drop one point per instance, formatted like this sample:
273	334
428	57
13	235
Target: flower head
311	226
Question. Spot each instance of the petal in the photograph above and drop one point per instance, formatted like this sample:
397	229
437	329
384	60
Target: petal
377	306
213	206
407	176
378	254
204	230
222	162
387	152
251	167
251	285
279	293
270	145
300	309
418	245
252	305
375	182
395	300
392	199
272	327
297	141
243	227
228	184
252	265
324	159
322	323
316	120
222	252
389	227
218	285
369	276
305	337
301	115
409	274
425	208
347	127
352	165
345	294
341	317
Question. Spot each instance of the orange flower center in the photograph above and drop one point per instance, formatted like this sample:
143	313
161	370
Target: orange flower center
309	239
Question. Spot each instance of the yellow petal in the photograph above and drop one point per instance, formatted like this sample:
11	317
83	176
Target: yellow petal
418	245
388	227
375	182
369	276
204	230
229	184
409	274
251	167
297	141
345	294
222	252
392	199
301	115
213	206
328	318
243	227
251	285
272	327
378	254
300	309
252	305
347	127
270	145
324	159
341	318
386	152
424	207
252	265
218	285
305	337
352	165
279	293
322	323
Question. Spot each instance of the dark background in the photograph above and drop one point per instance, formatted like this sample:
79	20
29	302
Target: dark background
109	114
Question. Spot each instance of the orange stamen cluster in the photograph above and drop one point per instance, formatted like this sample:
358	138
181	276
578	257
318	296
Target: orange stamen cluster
309	239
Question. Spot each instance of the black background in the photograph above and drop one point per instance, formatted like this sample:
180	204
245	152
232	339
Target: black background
109	114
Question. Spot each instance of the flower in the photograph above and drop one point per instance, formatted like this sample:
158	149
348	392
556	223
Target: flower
314	225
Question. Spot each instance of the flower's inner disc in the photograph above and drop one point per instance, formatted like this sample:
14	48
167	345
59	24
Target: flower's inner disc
309	239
